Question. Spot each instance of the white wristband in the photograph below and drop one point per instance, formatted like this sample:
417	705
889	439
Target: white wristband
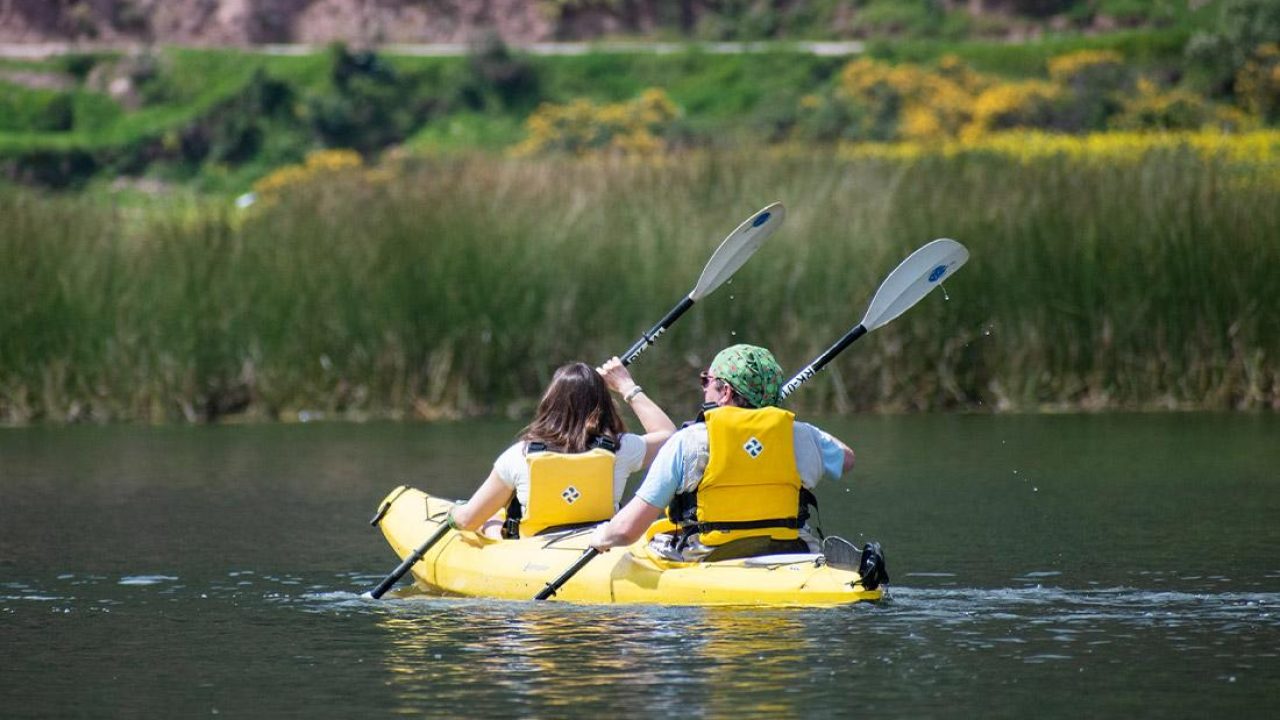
632	393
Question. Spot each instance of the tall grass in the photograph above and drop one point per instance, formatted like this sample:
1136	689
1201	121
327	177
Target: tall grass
453	286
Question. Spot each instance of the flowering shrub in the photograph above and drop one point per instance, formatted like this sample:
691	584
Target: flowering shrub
1012	105
1091	70
908	101
1152	108
1258	82
581	127
1088	90
1258	148
319	165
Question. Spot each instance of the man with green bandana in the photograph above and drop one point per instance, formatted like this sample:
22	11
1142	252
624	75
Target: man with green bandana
737	482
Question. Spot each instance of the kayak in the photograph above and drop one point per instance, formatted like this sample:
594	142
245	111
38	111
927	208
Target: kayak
472	565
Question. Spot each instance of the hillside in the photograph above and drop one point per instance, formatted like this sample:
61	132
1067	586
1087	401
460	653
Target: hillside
220	118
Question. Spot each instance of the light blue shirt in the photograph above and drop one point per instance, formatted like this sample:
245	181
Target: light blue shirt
682	461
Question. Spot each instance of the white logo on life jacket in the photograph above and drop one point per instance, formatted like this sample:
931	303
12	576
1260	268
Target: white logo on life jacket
571	494
754	447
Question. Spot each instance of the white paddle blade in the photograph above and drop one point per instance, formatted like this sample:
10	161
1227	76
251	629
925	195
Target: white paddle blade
921	272
737	249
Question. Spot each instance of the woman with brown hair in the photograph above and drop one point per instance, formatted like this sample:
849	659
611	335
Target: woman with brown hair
571	463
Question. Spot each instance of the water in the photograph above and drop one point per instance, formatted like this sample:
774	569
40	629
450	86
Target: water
1096	566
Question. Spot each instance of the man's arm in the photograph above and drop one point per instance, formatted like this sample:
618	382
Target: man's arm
626	527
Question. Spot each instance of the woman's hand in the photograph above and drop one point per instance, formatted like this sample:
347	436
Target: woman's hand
600	538
616	376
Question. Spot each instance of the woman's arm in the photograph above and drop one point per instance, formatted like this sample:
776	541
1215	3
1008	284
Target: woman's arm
657	425
626	527
492	495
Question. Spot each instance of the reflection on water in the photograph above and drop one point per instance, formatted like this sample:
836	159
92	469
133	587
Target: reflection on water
924	651
554	655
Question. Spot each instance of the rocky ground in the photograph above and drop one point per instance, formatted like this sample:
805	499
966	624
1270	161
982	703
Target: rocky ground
310	21
517	22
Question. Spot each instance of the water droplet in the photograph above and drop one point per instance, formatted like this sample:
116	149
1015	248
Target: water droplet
734	333
945	296
730	296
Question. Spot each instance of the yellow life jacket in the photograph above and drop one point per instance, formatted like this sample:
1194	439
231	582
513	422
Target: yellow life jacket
565	489
751	487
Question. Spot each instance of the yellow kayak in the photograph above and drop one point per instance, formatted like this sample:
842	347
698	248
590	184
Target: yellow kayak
472	565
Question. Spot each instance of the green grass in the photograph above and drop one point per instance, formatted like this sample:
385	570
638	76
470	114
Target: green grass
1144	49
458	284
466	132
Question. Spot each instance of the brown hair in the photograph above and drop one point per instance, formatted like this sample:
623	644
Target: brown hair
575	408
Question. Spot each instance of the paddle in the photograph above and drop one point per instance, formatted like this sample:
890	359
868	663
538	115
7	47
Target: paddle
414	557
732	254
736	249
914	277
577	565
920	273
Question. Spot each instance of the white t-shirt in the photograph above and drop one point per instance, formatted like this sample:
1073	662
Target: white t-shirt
513	468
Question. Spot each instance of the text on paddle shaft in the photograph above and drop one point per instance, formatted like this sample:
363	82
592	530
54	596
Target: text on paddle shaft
644	344
796	381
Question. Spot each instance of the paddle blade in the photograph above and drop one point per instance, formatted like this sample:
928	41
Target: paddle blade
921	272
738	248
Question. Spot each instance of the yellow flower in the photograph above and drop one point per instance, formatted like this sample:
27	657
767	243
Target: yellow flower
317	165
584	128
1064	68
1005	106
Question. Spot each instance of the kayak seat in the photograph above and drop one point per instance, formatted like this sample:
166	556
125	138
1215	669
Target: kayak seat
754	546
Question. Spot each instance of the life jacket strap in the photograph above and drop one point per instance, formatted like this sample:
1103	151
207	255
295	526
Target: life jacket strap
682	508
601	442
705	527
511	526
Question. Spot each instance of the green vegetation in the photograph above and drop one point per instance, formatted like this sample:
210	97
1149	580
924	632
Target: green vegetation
431	236
441	287
217	120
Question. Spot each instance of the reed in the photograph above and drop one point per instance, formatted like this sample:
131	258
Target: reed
444	287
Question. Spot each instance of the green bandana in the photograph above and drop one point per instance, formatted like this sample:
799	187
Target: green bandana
752	372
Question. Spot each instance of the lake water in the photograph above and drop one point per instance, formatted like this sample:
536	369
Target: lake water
1055	566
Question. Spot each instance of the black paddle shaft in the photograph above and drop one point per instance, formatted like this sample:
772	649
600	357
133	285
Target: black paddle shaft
554	585
403	567
650	337
812	368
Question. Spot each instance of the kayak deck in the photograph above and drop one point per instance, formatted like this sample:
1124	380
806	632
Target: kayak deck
467	564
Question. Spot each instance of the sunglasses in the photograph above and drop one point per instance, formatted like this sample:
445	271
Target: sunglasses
707	379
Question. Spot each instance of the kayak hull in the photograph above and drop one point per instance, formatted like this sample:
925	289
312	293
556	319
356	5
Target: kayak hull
467	564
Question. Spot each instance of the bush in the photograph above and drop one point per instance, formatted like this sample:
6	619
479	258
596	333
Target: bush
27	110
1257	83
368	104
581	127
1243	26
1005	106
1153	108
498	79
